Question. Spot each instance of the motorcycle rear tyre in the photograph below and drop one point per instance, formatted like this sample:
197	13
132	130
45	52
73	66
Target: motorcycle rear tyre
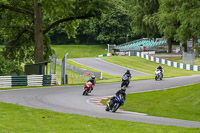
107	108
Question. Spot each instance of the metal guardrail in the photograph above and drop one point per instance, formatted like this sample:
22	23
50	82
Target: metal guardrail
80	70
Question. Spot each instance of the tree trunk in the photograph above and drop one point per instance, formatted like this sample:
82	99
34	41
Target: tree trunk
169	43
38	33
194	41
185	46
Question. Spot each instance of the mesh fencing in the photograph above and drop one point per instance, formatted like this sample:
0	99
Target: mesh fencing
85	73
188	58
53	60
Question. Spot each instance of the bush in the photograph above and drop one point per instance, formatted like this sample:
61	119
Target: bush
8	67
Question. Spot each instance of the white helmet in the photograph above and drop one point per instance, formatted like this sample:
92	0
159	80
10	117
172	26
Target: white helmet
93	77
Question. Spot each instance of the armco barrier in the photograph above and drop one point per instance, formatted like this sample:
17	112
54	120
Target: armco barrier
169	63
27	80
80	70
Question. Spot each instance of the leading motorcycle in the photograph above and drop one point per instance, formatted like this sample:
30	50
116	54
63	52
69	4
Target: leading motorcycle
158	74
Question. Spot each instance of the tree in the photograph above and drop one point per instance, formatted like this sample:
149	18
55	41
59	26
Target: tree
180	20
113	26
168	21
189	18
35	18
8	67
144	18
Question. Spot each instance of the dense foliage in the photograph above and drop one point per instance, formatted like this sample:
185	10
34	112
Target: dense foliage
8	67
93	21
23	20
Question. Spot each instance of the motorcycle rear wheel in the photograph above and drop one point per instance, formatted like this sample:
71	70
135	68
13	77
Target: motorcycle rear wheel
107	108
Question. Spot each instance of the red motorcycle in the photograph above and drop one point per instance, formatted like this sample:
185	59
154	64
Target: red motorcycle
87	88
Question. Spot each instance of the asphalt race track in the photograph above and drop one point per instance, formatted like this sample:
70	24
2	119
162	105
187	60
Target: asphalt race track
107	67
70	99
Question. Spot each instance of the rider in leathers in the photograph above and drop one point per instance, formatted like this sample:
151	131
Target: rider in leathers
128	73
92	80
120	92
161	69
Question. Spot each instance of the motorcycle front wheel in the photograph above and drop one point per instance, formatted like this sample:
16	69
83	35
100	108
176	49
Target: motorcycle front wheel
85	92
115	107
156	78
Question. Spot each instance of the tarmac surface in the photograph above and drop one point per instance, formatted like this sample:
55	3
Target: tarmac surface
106	67
70	99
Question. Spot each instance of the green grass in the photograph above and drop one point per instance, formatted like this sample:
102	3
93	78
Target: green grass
21	87
179	59
180	103
79	51
20	119
149	67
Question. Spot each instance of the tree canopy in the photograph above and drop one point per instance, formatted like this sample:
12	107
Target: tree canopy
25	23
112	27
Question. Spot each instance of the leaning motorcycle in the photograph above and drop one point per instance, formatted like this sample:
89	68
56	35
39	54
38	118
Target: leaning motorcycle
114	103
125	81
158	74
87	88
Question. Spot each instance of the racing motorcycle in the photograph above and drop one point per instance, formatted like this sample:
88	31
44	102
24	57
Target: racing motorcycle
87	88
114	103
125	81
158	74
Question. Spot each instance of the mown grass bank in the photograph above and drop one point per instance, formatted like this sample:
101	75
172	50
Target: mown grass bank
79	51
180	103
149	67
20	119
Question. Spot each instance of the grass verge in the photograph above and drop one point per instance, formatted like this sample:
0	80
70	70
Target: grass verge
20	119
180	103
149	67
79	51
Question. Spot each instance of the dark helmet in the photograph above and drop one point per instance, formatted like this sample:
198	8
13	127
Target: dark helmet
128	70
123	88
93	77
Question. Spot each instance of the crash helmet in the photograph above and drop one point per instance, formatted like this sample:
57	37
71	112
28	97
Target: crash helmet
123	88
93	77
